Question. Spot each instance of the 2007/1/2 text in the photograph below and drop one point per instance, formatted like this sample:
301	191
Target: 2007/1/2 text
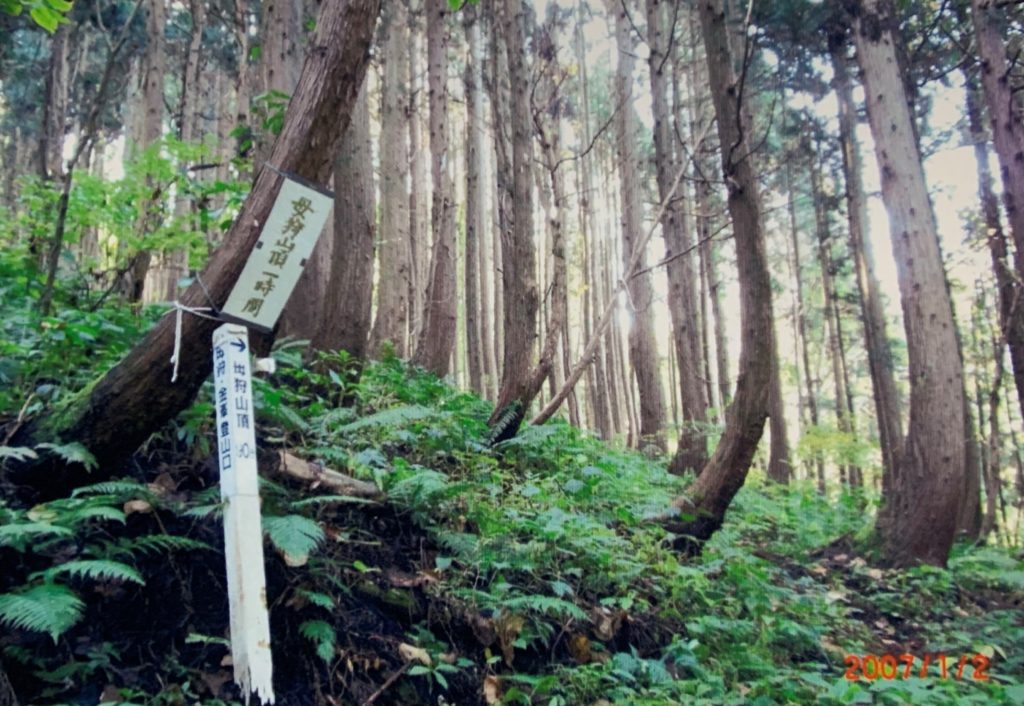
888	666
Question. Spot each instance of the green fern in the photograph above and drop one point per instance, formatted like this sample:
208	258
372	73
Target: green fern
159	544
18	453
19	534
545	605
73	453
321	600
97	569
49	608
512	414
294	536
114	488
321	634
330	500
392	417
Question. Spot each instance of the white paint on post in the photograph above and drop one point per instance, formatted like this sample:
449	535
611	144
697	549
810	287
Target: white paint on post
243	532
276	261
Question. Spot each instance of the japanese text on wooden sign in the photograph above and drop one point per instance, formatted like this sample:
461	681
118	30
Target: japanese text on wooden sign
276	262
243	533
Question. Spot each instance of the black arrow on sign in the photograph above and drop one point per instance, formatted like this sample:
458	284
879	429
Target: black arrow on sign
240	344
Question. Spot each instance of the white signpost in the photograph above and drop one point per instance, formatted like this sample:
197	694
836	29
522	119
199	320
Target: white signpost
259	295
276	262
243	533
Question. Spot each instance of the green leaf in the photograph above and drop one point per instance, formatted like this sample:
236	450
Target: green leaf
49	608
45	18
18	453
73	453
321	634
98	569
294	536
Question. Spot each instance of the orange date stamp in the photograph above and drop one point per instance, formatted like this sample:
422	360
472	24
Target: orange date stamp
890	666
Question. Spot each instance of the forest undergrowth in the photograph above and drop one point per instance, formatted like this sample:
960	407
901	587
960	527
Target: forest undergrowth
525	572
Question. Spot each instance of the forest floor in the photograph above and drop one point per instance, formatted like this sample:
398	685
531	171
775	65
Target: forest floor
523	573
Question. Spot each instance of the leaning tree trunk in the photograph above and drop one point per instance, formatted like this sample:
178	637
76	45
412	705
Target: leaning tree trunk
643	348
682	297
115	414
709	497
1004	113
921	523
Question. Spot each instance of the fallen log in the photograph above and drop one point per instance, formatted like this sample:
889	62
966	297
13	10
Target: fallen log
320	476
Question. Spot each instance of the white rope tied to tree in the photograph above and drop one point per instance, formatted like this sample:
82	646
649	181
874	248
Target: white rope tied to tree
179	309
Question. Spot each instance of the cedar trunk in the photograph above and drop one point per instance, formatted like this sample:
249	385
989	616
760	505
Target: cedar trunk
691	454
1008	138
876	340
343	315
437	337
394	284
519	272
921	521
709	497
643	348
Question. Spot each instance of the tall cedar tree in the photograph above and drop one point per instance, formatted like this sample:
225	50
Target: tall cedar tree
1004	113
393	306
919	519
437	337
682	301
519	272
643	348
709	497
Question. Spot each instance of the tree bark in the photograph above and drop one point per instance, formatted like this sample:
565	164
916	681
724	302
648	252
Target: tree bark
519	273
154	68
115	414
709	497
437	338
876	340
55	103
830	313
930	472
475	193
395	280
691	454
597	381
643	348
1004	114
343	316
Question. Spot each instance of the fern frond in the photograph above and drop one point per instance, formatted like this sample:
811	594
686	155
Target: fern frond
392	417
49	608
73	453
97	512
14	535
512	414
294	536
97	569
18	453
321	600
116	488
160	544
330	500
545	605
321	634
